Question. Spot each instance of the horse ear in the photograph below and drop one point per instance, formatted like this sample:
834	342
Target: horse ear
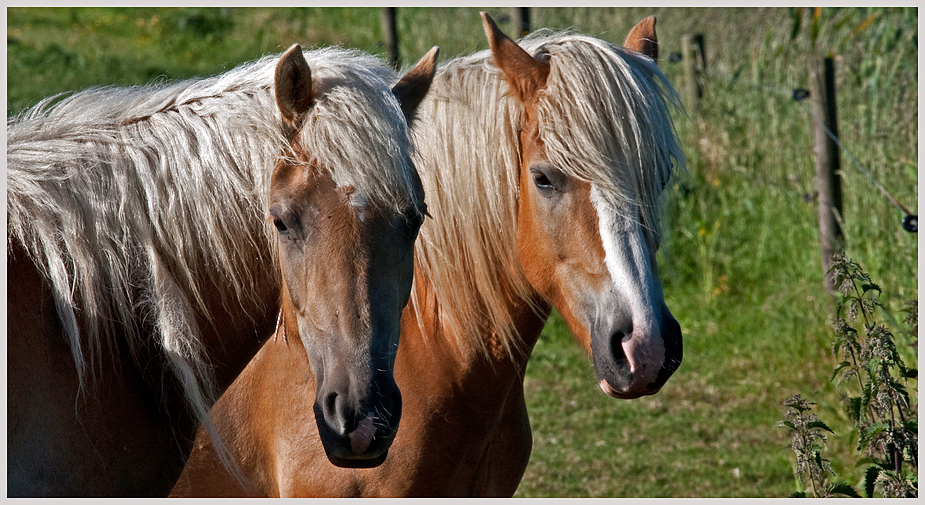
293	82
525	74
411	89
642	38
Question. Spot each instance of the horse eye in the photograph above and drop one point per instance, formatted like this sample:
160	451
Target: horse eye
413	220
280	226
414	217
541	181
420	217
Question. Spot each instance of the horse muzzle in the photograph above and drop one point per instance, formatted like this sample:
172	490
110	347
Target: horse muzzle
358	434
630	364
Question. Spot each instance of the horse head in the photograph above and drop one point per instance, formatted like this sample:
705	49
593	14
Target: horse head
345	247
586	246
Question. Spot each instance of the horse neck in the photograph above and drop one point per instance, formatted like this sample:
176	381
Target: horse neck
231	333
475	363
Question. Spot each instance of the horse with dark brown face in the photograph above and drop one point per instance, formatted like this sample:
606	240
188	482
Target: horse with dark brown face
150	242
544	163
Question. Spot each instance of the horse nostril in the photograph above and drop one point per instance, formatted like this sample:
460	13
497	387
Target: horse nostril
620	361
333	415
674	351
330	403
611	361
396	400
395	414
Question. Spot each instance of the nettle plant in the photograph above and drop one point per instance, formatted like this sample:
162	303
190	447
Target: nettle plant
876	381
808	444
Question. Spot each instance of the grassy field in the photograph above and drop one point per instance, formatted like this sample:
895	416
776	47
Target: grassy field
740	260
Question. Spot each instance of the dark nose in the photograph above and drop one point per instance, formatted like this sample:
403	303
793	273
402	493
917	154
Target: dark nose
629	365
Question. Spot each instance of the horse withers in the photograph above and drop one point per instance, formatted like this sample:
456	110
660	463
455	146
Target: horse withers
544	165
151	241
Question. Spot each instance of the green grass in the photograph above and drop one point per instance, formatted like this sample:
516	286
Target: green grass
740	262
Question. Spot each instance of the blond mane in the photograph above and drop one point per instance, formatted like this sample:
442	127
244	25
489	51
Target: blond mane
604	118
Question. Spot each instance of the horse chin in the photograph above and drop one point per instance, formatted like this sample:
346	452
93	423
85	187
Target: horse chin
356	463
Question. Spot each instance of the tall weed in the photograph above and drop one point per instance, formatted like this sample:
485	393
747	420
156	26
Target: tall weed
875	381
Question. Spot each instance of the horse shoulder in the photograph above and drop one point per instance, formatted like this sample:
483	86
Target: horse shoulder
246	418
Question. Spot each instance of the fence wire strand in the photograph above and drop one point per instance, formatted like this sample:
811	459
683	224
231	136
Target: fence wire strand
792	94
854	161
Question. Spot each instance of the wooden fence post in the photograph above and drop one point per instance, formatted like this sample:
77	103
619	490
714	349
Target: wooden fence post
390	30
520	16
694	58
828	178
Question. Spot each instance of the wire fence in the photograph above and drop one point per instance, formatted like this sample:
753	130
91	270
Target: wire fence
800	95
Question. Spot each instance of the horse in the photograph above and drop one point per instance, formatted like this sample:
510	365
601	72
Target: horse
157	235
544	167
